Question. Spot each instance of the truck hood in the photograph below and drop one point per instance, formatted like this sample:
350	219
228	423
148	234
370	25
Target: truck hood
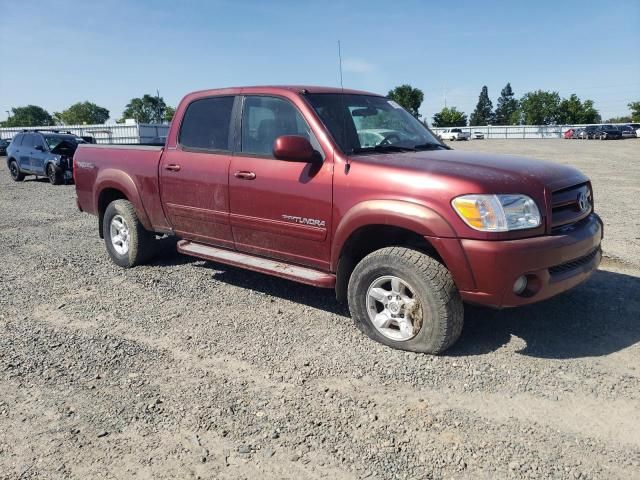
489	172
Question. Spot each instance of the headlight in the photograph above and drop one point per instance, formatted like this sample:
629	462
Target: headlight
497	213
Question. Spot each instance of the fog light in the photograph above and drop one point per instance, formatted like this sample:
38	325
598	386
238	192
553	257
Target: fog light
520	285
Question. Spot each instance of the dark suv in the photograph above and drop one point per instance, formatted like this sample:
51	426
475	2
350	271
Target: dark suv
47	154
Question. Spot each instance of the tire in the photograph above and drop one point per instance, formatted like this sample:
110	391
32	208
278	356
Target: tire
14	171
131	247
438	312
55	176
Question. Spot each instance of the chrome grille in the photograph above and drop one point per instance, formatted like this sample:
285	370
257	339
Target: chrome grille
569	206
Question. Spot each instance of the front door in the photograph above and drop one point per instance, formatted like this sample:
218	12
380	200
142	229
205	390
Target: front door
38	154
194	174
279	209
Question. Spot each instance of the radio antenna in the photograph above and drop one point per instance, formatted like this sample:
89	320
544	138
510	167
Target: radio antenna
347	166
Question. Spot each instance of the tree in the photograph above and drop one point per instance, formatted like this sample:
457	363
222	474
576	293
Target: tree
571	111
625	119
483	114
407	96
29	116
507	108
449	117
635	111
148	109
169	113
82	113
540	108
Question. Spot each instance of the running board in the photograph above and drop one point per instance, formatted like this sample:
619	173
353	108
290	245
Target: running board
258	264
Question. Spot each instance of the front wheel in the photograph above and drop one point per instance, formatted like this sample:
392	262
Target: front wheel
127	241
15	172
54	174
407	300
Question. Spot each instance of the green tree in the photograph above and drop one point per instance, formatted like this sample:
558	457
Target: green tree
29	116
571	111
624	119
82	113
507	108
169	113
407	96
540	108
483	114
147	109
635	111
449	117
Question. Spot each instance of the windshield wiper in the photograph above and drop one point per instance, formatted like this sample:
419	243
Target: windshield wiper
384	149
431	146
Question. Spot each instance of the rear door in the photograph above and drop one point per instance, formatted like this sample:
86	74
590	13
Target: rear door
279	209
194	174
25	152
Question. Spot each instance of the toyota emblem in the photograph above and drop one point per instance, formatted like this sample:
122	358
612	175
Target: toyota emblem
583	201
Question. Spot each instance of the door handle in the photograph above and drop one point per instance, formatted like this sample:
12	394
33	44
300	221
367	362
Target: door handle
245	175
173	167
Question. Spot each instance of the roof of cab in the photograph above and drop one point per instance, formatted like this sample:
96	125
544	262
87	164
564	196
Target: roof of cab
275	88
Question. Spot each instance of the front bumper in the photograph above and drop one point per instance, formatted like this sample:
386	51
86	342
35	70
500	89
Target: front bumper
552	264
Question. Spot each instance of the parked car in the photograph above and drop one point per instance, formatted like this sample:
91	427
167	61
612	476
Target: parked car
608	132
478	135
568	134
4	143
47	154
579	133
591	132
627	131
454	134
405	230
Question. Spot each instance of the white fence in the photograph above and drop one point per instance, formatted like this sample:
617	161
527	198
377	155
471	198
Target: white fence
114	133
517	131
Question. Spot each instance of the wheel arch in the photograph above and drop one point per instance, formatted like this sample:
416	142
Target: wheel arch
376	224
115	185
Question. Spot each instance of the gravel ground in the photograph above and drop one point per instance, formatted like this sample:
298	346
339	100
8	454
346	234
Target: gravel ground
187	369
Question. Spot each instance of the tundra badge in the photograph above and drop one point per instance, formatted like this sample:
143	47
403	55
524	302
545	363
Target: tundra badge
304	221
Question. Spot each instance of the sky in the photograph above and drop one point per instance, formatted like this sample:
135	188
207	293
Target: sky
56	53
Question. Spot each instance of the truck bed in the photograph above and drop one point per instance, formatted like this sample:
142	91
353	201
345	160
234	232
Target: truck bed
97	167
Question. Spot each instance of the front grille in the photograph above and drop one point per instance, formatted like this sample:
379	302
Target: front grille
573	264
566	206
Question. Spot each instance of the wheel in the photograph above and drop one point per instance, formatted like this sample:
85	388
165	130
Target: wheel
15	172
406	300
54	174
127	241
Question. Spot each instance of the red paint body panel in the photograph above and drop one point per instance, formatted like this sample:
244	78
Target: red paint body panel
304	213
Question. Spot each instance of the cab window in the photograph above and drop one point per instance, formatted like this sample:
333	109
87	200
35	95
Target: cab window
266	118
206	124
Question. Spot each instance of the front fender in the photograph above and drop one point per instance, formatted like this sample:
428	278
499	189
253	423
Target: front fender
118	180
398	213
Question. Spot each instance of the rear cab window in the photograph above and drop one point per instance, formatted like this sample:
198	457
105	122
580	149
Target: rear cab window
206	124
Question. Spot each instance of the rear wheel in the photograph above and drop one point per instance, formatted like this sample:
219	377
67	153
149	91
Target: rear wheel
15	172
54	174
407	300
127	241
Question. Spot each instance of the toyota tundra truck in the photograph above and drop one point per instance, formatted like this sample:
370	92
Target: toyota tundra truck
346	190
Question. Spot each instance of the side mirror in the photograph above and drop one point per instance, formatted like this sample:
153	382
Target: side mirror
293	148
39	148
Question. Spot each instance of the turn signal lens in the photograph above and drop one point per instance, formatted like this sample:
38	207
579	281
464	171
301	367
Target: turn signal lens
497	213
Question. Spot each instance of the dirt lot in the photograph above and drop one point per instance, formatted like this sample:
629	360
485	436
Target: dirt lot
187	369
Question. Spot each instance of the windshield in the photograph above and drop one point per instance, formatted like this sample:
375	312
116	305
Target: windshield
367	123
54	140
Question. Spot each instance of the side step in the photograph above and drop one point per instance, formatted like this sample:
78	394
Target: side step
258	264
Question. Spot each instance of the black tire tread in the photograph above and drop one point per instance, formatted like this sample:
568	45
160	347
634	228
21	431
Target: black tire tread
449	304
141	241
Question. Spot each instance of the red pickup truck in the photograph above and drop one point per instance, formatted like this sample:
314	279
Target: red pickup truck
345	189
